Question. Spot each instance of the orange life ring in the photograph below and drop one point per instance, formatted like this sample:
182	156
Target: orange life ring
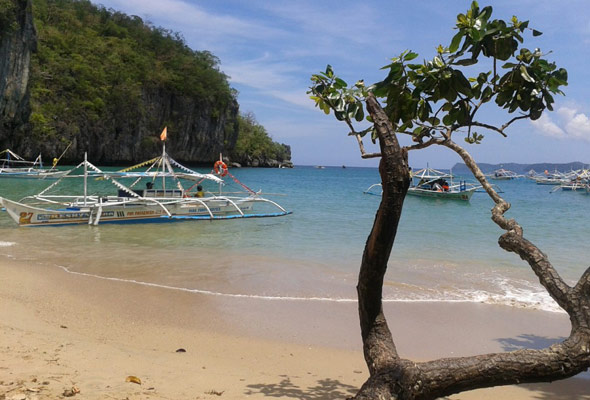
220	168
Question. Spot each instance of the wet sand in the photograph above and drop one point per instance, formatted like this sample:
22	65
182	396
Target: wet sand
64	333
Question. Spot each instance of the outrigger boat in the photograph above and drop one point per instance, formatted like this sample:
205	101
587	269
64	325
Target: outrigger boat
578	180
432	183
554	178
164	198
14	166
503	175
440	185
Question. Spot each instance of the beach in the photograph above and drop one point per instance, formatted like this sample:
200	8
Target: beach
61	333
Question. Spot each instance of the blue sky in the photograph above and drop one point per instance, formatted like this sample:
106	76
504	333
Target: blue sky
269	49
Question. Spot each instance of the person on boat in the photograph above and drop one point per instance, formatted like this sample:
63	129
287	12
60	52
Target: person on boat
200	192
445	185
149	185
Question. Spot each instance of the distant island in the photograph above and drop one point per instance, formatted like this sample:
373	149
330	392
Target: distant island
461	169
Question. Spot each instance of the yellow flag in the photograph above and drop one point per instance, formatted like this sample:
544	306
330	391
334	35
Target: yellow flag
164	134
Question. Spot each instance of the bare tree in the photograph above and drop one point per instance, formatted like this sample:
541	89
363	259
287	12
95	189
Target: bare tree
433	103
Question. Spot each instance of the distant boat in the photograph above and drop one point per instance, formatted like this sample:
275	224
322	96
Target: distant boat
503	174
320	167
435	184
554	178
14	166
432	183
573	181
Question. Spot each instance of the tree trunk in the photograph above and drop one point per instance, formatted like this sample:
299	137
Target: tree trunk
379	349
394	378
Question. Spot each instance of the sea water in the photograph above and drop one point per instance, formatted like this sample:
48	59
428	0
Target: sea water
444	251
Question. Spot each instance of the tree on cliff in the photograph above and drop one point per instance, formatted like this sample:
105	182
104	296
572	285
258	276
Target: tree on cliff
433	103
255	145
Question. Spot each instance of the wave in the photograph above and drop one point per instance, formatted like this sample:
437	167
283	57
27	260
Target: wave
513	297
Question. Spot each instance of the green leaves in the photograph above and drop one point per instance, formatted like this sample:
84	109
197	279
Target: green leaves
455	42
410	56
474	138
446	93
8	17
525	75
331	94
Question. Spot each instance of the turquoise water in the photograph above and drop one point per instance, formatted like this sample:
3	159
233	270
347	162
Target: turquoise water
445	250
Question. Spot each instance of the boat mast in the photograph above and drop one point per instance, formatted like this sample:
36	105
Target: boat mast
164	166
85	176
220	159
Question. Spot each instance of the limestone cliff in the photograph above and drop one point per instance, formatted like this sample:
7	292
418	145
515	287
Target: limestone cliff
104	83
196	134
17	42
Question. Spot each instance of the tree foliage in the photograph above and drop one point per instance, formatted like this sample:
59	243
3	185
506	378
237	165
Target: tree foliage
8	16
432	102
255	142
95	63
436	97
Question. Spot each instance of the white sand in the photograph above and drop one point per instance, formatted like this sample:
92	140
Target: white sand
60	331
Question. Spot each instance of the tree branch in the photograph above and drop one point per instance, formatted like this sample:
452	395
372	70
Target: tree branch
424	145
453	375
379	348
502	128
513	240
359	138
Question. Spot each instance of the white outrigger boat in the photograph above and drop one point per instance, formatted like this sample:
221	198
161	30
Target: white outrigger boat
503	175
164	199
440	185
14	166
578	180
432	183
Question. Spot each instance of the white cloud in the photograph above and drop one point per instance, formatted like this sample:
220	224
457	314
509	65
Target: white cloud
275	79
260	73
205	28
577	125
571	124
547	127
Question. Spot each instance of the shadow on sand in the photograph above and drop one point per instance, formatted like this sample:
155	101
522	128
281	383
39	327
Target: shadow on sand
567	389
527	341
325	389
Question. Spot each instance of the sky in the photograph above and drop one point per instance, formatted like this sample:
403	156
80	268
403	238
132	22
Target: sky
270	48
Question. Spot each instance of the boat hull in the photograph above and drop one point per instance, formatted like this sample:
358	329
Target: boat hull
12	174
131	212
464	195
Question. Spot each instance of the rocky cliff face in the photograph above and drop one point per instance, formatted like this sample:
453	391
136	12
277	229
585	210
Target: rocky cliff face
17	42
264	161
125	128
196	134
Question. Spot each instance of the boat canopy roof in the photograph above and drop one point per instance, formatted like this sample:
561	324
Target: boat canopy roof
7	153
9	156
159	167
430	174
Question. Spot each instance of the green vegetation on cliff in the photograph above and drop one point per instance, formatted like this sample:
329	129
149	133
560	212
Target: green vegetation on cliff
254	143
93	62
108	82
7	17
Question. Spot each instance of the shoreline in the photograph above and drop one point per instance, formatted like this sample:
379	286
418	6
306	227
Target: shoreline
59	330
